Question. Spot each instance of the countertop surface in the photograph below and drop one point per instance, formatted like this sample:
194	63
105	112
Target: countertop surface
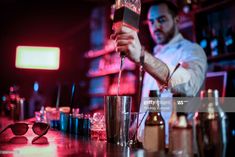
56	143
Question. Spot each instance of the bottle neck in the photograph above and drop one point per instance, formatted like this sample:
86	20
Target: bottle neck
182	121
155	113
211	99
154	104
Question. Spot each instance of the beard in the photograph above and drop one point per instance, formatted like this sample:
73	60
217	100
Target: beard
163	38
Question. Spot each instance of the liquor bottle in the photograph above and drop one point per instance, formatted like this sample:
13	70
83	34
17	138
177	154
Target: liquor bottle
154	131
229	40
182	137
13	104
223	124
214	43
221	43
126	16
171	123
187	6
204	43
211	127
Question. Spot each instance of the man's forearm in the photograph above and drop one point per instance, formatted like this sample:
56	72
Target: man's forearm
156	68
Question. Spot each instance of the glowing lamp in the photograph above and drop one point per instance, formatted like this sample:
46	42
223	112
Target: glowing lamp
32	57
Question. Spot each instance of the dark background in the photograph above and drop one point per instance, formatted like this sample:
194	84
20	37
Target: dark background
64	24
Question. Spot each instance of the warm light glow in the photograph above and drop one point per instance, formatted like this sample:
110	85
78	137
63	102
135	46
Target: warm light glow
32	57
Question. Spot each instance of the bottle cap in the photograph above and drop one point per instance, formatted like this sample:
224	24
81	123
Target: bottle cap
153	93
216	93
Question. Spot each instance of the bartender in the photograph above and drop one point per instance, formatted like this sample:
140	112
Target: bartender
171	49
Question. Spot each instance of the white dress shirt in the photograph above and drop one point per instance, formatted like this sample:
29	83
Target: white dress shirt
186	80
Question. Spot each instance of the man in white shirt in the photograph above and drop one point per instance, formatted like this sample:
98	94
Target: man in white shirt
171	49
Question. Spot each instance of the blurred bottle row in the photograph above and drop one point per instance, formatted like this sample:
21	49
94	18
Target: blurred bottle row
203	132
188	6
16	107
13	106
65	119
218	41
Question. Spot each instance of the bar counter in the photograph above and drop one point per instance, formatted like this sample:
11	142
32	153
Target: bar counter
57	144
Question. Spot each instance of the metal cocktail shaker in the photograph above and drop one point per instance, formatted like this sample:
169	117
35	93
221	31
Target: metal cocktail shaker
117	118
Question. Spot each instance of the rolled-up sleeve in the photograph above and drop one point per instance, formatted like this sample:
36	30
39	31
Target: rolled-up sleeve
189	77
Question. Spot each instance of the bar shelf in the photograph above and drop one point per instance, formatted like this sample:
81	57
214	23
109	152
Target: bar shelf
108	48
227	56
104	72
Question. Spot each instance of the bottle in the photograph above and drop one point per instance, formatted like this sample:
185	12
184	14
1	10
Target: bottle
13	104
42	114
171	123
86	125
214	43
187	6
196	120
229	40
182	137
154	131
223	124
221	45
204	43
211	127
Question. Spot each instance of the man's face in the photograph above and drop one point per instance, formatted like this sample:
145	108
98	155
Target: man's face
162	24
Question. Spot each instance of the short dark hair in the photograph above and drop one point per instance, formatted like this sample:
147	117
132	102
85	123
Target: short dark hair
173	9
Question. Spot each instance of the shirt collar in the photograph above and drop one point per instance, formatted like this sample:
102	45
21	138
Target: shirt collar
176	38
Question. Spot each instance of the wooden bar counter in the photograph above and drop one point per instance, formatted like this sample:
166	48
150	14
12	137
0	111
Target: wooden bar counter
57	144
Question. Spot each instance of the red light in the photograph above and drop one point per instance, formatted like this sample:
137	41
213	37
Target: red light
33	57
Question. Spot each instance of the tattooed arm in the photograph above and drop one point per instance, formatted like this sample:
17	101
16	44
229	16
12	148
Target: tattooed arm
127	41
156	68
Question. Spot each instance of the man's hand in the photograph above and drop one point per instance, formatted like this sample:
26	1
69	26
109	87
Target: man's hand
127	41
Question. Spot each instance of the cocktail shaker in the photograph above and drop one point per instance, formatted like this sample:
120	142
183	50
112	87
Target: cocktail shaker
117	118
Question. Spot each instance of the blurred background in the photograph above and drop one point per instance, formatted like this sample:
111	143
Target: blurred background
62	24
